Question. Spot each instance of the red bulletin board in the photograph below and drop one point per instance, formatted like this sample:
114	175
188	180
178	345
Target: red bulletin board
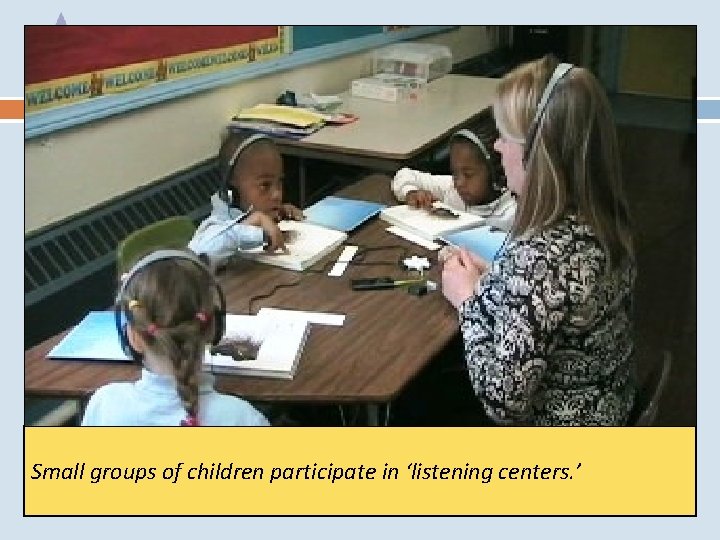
66	64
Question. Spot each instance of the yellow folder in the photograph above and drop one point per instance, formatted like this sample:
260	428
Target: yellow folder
281	113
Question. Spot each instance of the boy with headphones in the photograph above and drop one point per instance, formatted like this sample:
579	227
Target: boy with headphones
248	205
173	309
477	183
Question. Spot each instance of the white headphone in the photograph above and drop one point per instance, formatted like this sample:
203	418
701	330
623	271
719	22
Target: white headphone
560	71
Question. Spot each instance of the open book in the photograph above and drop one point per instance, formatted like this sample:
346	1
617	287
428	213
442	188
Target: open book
94	338
429	225
483	241
341	214
275	345
306	242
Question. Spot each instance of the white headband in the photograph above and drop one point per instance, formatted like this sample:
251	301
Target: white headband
560	71
243	145
474	139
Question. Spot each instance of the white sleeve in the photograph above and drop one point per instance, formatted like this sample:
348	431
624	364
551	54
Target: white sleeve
93	415
504	216
407	180
219	240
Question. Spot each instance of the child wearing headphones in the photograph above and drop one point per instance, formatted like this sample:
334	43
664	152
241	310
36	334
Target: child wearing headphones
548	334
246	209
168	302
477	183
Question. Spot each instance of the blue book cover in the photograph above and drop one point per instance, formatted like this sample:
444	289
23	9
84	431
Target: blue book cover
341	214
483	241
94	338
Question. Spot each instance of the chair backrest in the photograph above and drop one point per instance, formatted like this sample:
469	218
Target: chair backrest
649	394
173	232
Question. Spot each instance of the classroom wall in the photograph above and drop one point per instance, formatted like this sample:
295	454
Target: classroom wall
659	61
72	170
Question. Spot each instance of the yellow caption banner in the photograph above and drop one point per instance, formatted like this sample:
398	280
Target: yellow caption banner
359	471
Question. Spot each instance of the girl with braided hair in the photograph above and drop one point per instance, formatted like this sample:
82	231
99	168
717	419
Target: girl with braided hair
167	299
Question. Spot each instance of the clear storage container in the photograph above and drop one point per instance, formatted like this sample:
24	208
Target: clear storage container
423	60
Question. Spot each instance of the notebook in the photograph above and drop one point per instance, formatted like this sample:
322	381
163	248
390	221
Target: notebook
341	214
279	340
94	338
307	244
483	241
429	227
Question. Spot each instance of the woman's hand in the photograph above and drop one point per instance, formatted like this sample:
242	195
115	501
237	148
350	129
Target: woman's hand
461	271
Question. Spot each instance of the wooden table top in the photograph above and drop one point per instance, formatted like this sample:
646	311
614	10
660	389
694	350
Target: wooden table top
387	338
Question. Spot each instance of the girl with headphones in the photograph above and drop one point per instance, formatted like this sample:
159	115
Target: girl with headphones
168	310
477	183
547	334
249	203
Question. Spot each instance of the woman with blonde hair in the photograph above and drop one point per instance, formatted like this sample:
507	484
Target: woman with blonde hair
547	325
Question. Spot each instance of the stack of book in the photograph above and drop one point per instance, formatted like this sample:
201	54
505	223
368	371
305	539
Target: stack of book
449	226
277	121
430	225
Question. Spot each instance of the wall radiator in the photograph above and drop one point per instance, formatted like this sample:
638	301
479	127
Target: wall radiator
61	255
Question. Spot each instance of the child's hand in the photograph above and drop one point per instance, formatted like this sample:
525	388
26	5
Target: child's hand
272	233
420	198
288	211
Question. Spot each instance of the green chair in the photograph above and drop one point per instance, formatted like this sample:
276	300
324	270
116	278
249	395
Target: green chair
171	233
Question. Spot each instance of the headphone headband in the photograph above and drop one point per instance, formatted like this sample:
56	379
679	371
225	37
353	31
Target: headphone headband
497	176
159	255
225	187
467	134
152	258
243	145
560	71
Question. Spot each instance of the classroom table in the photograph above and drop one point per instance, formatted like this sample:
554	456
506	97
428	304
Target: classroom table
390	135
387	338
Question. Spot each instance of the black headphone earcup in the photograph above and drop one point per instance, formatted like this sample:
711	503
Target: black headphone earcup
127	347
219	319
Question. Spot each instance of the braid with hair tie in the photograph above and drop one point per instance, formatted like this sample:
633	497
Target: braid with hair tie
183	345
175	314
190	421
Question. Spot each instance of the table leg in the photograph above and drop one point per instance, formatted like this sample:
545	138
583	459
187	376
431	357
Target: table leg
301	178
373	414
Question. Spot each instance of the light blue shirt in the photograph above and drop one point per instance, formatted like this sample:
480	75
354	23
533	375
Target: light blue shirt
220	235
154	401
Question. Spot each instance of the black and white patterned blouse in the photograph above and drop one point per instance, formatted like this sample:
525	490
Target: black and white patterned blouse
548	335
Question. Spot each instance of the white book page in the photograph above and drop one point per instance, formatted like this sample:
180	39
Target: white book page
307	244
281	341
427	226
313	317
